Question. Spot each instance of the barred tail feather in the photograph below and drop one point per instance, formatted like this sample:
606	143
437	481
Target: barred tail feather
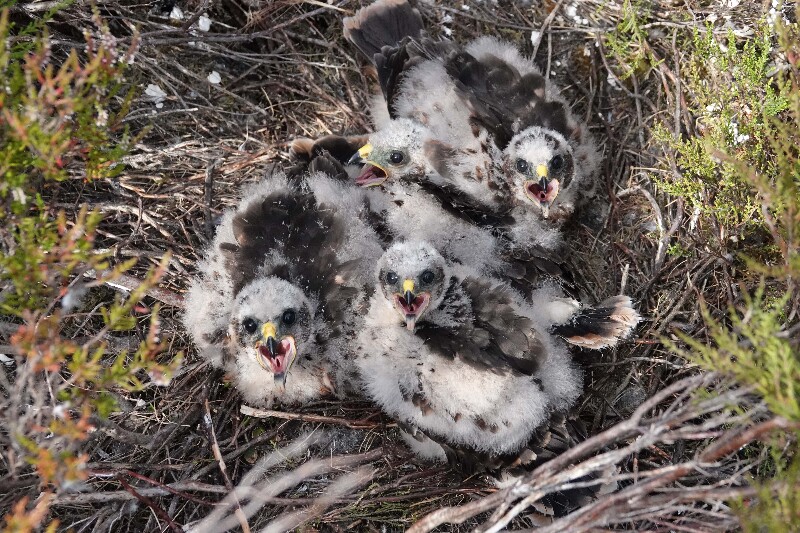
602	326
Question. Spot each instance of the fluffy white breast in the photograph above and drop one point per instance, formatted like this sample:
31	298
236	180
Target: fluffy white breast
415	215
465	404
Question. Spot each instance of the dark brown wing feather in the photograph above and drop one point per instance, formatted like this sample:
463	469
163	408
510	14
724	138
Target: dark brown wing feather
502	100
382	23
490	333
594	321
291	224
341	148
527	269
383	31
463	207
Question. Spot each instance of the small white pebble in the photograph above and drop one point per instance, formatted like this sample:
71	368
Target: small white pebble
159	378
203	23
102	118
447	31
465	7
712	18
176	13
536	36
214	78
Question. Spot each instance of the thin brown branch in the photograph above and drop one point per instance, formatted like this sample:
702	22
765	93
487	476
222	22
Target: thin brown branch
152	505
212	437
354	424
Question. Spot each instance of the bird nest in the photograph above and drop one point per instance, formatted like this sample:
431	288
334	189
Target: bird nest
190	456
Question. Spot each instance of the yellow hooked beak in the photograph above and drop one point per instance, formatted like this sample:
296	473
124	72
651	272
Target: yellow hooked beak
365	150
372	174
541	171
411	305
408	285
269	334
274	355
269	330
408	291
361	156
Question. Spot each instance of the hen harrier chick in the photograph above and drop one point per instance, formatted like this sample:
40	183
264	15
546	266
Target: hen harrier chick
274	304
458	356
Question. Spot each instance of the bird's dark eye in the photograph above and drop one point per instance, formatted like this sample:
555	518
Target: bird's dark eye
557	163
289	316
249	325
427	277
396	157
391	278
522	165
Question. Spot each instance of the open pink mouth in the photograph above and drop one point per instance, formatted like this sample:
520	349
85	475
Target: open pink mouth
371	176
535	192
411	312
280	361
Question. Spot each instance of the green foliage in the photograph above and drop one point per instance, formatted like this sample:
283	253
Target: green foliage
776	507
735	101
753	350
44	253
61	119
676	250
628	41
745	177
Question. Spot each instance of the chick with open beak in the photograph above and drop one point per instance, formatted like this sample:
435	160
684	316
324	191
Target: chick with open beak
373	173
542	192
276	355
410	305
397	151
412	277
540	162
